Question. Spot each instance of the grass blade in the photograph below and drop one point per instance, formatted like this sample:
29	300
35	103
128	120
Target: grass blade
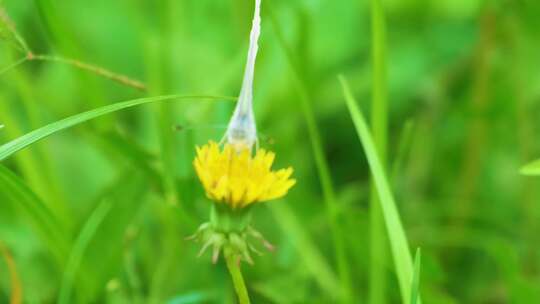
81	243
17	144
396	233
415	288
16	293
311	257
36	212
404	145
112	242
323	168
531	169
379	121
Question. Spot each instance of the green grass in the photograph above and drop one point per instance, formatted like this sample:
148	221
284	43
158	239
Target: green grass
396	233
379	123
79	247
532	168
415	286
13	146
323	168
450	94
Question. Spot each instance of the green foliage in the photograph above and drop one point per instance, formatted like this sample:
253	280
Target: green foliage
396	233
415	286
96	196
532	168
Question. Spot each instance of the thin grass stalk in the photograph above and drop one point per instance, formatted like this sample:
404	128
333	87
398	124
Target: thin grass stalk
13	65
43	156
39	216
34	166
99	71
172	214
65	41
81	65
311	257
404	147
79	248
379	120
16	294
527	136
415	287
158	68
6	21
399	244
322	166
9	148
478	132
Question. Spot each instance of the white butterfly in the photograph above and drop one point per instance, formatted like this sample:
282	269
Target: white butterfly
242	130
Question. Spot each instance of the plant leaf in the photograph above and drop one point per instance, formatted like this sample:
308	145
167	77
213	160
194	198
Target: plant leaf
36	213
79	248
396	233
17	144
531	169
415	288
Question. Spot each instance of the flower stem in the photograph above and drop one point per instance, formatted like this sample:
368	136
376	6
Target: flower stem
379	118
236	275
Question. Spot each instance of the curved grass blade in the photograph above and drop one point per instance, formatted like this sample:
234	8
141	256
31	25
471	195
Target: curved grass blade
22	142
415	288
396	233
404	145
108	252
194	298
16	289
36	212
378	280
310	255
321	163
531	169
81	243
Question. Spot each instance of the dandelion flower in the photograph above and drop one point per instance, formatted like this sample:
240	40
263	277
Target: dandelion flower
236	174
238	179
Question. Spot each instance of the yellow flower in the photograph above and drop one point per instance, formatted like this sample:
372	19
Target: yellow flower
238	179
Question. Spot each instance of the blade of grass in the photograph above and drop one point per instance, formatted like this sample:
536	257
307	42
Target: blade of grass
379	121
16	289
394	228
36	166
112	243
36	212
79	247
22	45
405	140
100	71
415	287
7	23
24	141
531	169
13	65
323	169
159	72
62	34
310	256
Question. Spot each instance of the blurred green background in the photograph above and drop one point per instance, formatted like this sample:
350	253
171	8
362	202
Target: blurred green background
464	73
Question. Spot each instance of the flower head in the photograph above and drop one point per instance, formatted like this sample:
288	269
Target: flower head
235	178
238	179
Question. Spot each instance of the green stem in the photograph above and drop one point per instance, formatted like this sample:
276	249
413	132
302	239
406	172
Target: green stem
379	117
237	278
323	168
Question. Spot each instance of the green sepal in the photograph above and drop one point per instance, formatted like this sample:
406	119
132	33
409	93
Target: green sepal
225	219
